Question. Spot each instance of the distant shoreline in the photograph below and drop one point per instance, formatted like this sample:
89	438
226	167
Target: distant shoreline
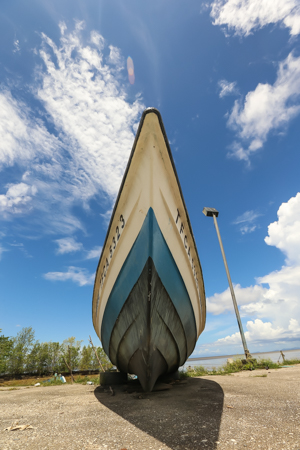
241	355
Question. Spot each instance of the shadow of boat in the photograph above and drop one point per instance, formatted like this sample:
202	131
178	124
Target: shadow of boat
183	415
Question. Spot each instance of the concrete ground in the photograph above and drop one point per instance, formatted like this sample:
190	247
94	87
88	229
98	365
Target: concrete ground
247	410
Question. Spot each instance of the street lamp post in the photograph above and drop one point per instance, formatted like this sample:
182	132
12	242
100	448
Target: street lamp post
212	212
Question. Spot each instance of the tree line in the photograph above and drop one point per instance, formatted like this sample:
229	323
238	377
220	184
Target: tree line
24	354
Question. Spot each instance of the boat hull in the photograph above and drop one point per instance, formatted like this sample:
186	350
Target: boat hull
149	335
149	300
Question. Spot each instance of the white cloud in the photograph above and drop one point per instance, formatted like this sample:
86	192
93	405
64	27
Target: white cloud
267	108
264	332
23	139
246	16
62	27
2	250
275	298
76	274
115	57
285	233
16	46
281	301
107	216
247	216
92	121
294	326
257	331
220	303
88	106
67	245
273	303
227	88
246	221
94	253
246	229
22	248
17	199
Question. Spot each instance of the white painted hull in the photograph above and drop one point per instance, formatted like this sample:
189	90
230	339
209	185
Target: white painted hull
150	184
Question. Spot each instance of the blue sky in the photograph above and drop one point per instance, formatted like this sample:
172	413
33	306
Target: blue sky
225	76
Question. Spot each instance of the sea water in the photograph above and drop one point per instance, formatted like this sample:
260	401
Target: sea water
208	362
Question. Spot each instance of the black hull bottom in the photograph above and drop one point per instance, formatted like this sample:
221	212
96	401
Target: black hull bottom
148	338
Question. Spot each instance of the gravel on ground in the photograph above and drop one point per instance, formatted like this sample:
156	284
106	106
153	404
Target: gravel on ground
247	410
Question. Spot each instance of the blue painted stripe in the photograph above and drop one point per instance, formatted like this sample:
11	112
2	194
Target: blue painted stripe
149	242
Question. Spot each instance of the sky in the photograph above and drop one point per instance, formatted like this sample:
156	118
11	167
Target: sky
75	77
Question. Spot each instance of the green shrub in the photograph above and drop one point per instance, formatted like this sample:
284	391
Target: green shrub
237	365
290	362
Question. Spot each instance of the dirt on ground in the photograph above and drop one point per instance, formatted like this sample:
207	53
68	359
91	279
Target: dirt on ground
246	410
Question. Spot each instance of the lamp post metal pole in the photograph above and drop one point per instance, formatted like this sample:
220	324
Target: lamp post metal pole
213	212
247	353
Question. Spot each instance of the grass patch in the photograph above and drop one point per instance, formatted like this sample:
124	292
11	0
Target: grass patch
27	382
80	379
260	376
290	362
84	379
51	382
237	366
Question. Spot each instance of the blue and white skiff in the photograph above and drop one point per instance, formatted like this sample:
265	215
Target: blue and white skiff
149	301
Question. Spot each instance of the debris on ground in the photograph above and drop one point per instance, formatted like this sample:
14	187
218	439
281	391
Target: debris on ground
15	427
111	390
